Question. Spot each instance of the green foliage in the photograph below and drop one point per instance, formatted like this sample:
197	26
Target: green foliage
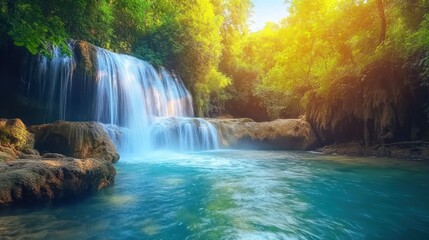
381	89
201	50
130	17
89	20
29	27
39	24
160	46
325	60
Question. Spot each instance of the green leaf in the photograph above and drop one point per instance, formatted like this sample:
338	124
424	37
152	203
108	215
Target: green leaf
32	50
19	44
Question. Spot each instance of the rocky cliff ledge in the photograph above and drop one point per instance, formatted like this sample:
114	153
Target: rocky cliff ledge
280	134
53	161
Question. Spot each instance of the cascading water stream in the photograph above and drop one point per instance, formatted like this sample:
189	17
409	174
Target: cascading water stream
183	134
50	83
142	109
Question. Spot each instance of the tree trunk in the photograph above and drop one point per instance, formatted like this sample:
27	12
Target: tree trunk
383	23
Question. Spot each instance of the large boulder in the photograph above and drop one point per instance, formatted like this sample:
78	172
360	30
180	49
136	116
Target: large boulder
76	158
280	134
29	181
75	139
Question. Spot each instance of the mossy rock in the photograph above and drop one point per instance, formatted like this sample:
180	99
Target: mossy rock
85	55
13	133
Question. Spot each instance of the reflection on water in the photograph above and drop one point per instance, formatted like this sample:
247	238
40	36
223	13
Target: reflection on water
241	195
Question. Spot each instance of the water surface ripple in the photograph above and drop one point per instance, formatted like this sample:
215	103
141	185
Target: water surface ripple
238	194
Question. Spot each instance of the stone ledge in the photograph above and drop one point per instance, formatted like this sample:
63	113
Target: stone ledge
30	181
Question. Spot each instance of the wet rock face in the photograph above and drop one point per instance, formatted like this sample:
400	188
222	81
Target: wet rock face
280	134
30	181
85	55
75	139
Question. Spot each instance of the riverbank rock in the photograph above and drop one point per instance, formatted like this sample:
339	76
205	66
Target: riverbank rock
30	181
75	139
416	150
280	134
76	159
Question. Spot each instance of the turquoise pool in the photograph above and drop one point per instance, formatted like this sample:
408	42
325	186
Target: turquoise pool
235	194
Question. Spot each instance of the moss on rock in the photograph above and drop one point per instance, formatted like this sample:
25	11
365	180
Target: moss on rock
14	134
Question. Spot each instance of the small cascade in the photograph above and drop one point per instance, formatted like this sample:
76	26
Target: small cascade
50	83
129	96
183	134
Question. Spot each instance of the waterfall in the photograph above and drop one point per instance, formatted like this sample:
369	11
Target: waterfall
50	82
142	109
